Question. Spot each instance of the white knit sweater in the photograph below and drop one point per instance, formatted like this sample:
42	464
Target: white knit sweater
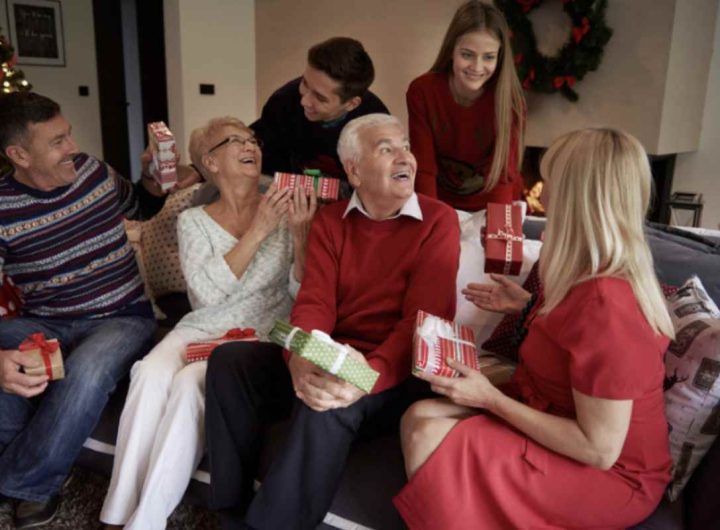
219	299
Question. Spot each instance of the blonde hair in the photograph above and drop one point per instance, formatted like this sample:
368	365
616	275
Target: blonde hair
509	98
203	138
600	187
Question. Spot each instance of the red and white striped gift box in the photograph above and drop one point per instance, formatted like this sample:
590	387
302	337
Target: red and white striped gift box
200	351
163	167
448	339
325	188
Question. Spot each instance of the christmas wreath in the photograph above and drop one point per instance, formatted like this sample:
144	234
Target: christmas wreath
578	56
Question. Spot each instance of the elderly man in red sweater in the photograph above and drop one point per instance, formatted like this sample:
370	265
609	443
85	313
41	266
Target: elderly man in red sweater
372	263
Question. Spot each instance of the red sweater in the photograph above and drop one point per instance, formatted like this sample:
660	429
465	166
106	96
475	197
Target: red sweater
454	145
365	281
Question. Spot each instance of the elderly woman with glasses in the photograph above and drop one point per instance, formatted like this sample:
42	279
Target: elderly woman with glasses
241	255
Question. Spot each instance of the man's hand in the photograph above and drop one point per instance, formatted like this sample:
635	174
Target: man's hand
186	175
13	381
320	390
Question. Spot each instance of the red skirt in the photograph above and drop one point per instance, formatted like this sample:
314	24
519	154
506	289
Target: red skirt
487	475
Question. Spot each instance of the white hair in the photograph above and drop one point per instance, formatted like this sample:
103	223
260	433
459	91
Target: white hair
348	147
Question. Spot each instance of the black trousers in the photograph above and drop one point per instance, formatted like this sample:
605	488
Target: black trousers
249	385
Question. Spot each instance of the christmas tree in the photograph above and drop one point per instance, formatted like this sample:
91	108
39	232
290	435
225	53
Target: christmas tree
11	79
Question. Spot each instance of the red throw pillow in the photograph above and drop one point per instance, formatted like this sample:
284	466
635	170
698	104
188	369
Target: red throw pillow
504	338
10	300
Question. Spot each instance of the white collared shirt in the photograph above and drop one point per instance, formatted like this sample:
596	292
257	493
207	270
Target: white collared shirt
411	208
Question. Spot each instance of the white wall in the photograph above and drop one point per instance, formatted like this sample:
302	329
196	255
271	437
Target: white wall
61	83
700	171
209	42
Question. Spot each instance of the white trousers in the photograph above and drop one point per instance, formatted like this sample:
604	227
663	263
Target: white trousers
161	437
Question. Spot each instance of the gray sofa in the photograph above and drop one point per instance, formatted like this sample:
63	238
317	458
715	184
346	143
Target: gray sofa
374	472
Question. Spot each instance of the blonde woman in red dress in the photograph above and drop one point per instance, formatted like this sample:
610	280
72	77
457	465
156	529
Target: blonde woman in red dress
579	437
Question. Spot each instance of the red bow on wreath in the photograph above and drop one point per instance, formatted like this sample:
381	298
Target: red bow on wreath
529	79
527	5
561	80
579	32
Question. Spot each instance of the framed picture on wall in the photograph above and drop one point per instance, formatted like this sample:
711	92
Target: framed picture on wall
36	31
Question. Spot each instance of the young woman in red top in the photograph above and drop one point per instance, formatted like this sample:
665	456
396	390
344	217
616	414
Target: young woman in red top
578	439
467	115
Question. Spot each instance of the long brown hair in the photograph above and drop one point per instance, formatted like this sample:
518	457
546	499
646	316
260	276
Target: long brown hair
472	16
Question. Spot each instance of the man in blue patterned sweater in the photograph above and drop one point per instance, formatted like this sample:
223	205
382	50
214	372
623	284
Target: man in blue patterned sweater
63	243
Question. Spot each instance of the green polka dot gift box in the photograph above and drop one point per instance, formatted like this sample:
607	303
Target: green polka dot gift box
322	351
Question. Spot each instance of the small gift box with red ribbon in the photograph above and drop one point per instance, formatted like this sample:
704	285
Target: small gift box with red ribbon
504	239
200	351
163	166
436	339
326	189
47	352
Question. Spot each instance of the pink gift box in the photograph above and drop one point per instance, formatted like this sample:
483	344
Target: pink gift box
163	166
449	339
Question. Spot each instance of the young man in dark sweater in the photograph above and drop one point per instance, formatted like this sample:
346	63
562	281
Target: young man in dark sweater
301	122
372	262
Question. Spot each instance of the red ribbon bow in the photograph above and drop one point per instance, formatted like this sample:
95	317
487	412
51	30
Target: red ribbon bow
37	341
578	32
239	333
561	80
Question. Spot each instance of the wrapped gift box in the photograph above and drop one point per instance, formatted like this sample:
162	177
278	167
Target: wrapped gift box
327	189
436	339
200	351
321	350
163	166
504	239
47	352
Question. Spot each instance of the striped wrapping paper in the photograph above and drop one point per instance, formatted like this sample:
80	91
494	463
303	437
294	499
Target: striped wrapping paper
327	189
322	351
200	351
437	339
163	166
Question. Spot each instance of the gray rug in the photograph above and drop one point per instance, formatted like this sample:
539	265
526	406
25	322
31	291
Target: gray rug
83	498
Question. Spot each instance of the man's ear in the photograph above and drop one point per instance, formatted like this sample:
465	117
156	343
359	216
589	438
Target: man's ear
352	103
351	169
18	156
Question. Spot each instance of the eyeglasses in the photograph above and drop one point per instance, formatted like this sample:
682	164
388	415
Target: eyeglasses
237	140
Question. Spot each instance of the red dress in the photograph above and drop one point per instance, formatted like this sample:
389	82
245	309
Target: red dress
485	474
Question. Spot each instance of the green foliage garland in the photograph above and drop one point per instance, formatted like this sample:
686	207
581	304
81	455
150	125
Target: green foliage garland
581	54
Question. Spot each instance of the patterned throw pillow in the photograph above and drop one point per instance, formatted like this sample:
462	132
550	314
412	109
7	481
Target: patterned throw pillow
160	245
10	300
692	380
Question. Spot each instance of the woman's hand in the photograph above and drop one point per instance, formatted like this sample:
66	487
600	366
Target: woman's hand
302	209
273	206
471	389
505	296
